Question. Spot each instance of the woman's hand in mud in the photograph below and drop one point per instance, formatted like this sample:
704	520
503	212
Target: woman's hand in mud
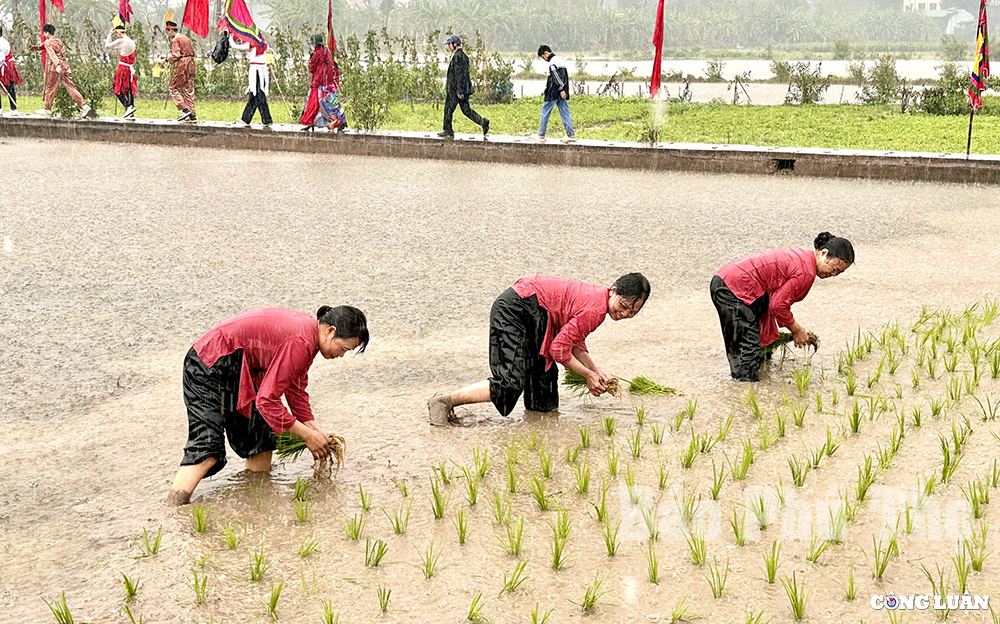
597	383
316	442
799	335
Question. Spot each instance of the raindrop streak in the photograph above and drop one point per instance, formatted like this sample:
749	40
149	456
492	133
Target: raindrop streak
7	245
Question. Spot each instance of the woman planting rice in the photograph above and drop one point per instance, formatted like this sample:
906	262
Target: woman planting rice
536	322
754	295
235	376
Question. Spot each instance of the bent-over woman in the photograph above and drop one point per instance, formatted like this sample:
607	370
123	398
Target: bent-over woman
535	323
235	376
754	296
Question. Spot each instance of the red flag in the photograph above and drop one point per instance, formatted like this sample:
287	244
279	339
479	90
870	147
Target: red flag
332	42
654	83
981	68
196	17
125	11
237	20
58	4
41	18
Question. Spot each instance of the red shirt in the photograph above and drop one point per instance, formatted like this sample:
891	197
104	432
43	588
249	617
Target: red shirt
784	274
278	346
321	68
575	310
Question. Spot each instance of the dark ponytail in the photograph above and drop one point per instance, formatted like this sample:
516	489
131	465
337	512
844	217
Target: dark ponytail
835	246
349	322
633	287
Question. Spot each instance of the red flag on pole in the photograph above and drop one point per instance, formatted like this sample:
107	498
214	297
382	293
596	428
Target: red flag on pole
196	17
654	83
125	11
332	42
41	18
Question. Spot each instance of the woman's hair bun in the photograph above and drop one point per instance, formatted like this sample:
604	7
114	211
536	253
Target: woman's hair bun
823	239
322	312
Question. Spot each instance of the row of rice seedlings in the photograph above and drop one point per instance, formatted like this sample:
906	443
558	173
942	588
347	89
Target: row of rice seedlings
439	502
384	595
375	552
271	604
309	546
259	563
353	526
461	526
717	577
515	579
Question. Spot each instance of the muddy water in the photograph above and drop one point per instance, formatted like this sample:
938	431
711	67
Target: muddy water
120	257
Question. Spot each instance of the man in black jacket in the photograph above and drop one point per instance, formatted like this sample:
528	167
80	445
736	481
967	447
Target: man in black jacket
458	88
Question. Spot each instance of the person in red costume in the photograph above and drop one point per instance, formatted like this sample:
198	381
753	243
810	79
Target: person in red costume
754	295
236	375
534	324
322	109
9	77
126	82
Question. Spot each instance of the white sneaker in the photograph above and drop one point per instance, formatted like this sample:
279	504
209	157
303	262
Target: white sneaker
538	138
86	110
12	113
129	113
240	124
43	112
569	139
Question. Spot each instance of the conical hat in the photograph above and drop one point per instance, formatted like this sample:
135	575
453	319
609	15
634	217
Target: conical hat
118	24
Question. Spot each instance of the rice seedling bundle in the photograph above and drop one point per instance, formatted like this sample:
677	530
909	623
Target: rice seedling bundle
290	447
786	337
637	385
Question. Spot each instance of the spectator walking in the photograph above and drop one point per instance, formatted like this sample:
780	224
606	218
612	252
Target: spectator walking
556	94
458	88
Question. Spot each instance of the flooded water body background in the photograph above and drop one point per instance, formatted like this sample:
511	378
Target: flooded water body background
115	259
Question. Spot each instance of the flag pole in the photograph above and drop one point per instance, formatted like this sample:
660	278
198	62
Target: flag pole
968	145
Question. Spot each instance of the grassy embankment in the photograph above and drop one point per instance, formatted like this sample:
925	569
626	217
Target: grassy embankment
830	126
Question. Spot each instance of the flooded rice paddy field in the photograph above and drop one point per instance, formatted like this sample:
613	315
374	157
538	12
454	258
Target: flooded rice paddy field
116	258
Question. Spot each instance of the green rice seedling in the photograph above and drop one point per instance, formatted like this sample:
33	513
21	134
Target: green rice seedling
854	418
893	361
690	408
652	565
954	390
718	480
817	547
60	610
757	618
544	461
512	478
687	505
309	546
801	380
259	563
976	494
613	459
131	586
649	517
573	454
951	362
852	382
662	473
915	377
779	490
816	456
400	519
640	415
884	456
899	391
516	578
799	470
537	617
850	589
608	424
428	561
593	593
738	523
229	535
149	547
750	400
960	562
880	559
835	397
476	609
441	470
907	515
796	596
697	547
532	441
657	434
830	447
611	537
581	472
937	407
976	548
925	490
772	561
739	471
850	510
329	616
725	427
199	517
131	618
401	486
993	474
995	364
759	508
384	595
471	486
302	511
301	486
562	524
271	604
949	462
705	442
202	559
512	452
717	577
538	492
687	457
635	444
633	493
645	386
515	537
585	436
461	526
678	422
366	499
838	522
375	552
921	357
200	586
989	409
819	403
601	507
439	502
481	459
939	587
916	416
781	423
681	613
767	438
500	509
558	549
354	526
866	477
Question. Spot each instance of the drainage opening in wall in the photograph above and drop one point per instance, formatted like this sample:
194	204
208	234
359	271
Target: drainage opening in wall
784	164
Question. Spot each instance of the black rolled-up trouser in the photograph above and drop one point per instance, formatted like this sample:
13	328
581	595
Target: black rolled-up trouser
257	102
517	331
740	330
210	395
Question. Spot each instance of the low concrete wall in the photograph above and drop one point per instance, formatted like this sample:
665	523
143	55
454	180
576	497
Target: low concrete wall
519	150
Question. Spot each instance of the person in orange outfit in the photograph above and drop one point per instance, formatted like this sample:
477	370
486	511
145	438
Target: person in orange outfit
182	82
57	72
